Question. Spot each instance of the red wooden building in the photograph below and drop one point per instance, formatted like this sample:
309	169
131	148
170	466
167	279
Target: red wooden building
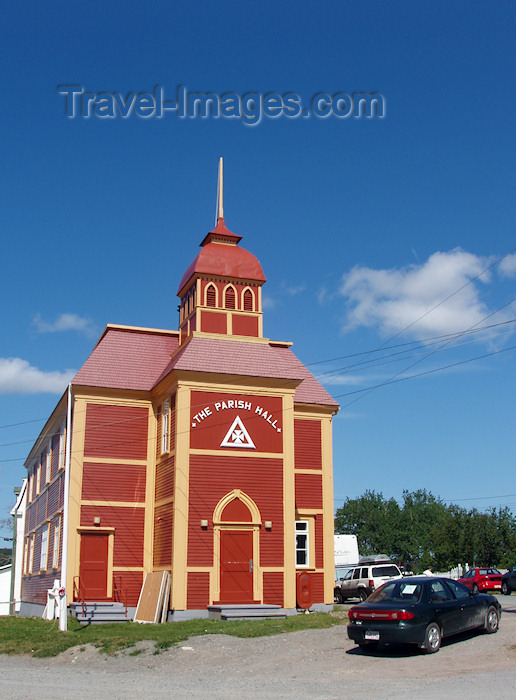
205	451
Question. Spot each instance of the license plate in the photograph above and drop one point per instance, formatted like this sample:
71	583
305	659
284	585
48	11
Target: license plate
498	585
373	636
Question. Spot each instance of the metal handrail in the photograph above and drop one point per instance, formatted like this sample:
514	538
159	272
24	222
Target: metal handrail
120	591
78	592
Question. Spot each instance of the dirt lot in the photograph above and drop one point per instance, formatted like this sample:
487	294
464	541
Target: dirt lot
308	664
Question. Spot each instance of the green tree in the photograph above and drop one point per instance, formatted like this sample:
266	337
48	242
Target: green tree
424	531
372	519
422	519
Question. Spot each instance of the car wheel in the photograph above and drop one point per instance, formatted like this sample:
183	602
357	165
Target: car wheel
433	638
475	588
492	620
362	594
339	597
505	588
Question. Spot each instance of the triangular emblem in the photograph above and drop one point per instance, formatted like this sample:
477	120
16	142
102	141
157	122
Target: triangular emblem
237	436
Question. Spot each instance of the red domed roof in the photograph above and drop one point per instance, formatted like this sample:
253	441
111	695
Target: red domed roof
224	258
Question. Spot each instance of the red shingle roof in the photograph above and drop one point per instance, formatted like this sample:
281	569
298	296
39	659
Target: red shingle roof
138	358
127	359
223	258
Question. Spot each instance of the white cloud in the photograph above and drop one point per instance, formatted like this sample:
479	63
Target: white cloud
294	290
394	299
65	322
507	267
268	302
17	376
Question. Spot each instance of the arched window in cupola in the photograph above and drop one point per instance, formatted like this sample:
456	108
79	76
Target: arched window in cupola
211	295
230	298
248	304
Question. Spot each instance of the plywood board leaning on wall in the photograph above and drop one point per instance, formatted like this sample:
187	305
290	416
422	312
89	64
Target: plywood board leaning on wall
153	597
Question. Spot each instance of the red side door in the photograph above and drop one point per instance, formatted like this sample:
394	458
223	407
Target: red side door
236	566
94	565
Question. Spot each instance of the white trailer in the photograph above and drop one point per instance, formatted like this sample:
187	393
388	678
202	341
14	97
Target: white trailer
346	550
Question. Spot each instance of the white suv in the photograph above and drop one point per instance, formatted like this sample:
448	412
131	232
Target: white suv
362	579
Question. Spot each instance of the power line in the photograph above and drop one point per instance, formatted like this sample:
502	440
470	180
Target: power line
423	341
396	378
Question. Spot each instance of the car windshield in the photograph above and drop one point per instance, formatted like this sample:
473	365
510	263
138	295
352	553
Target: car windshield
341	572
397	592
385	571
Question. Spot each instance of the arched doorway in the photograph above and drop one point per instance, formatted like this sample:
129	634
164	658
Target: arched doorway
236	521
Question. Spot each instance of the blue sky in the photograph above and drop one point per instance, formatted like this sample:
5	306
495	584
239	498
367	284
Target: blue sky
372	233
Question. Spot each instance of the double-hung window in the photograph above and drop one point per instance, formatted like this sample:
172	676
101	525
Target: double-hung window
43	561
165	420
55	554
302	544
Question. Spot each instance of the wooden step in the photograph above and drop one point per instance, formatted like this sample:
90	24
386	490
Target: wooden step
243	611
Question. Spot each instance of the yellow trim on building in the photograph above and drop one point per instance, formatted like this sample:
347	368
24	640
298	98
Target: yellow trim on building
150	483
178	592
328	517
289	503
74	501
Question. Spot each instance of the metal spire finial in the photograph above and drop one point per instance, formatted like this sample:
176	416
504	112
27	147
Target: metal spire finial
220	193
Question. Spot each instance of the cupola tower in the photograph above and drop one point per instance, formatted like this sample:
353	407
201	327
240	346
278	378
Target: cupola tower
220	292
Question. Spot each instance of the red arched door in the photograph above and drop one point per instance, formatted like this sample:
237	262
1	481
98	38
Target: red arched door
236	554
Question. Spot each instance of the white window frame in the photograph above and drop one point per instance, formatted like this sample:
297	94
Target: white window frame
43	559
26	555
32	477
165	424
31	554
62	435
48	463
57	534
303	528
39	467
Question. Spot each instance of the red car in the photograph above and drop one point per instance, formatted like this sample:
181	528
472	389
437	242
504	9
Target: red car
482	579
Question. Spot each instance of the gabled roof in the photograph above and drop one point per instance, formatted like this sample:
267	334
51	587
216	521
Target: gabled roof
138	358
128	358
265	361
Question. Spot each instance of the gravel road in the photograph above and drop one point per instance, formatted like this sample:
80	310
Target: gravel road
309	664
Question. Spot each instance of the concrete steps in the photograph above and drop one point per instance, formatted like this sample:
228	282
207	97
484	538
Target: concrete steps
96	613
247	612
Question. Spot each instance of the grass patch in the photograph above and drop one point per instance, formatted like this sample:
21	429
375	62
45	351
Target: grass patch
40	638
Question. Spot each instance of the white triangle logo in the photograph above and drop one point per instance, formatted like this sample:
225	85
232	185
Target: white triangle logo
237	436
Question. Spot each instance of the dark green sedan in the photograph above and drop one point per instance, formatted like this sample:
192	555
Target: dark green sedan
421	610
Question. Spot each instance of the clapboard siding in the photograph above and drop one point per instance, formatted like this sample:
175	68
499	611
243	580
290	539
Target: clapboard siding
54	502
113	482
307	444
165	479
42	507
35	587
163	535
273	587
116	432
198	590
308	491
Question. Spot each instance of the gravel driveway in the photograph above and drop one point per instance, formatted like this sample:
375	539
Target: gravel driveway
308	664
